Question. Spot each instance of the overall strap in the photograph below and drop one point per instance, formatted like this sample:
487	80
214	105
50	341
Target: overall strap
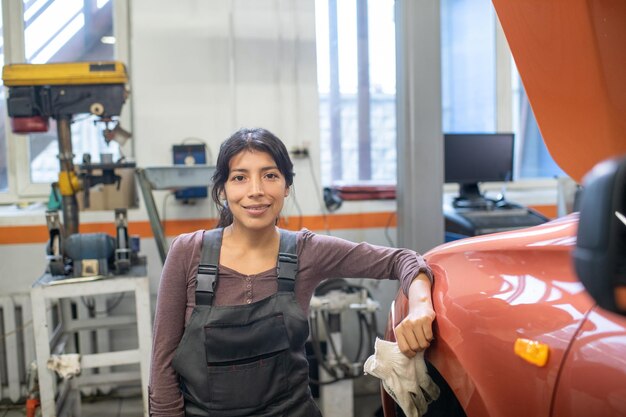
207	270
287	268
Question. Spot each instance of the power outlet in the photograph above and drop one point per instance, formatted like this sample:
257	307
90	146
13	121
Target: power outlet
300	152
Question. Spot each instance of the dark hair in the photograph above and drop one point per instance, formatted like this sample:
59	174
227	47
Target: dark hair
258	139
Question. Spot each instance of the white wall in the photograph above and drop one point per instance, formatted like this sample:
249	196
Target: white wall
204	69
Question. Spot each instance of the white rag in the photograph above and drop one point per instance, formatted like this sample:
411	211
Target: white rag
67	366
405	379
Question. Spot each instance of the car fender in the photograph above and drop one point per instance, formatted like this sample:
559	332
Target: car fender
491	291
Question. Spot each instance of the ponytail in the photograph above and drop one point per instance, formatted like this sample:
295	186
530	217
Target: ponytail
226	216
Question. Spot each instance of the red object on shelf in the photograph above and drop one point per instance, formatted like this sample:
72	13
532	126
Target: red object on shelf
33	124
366	192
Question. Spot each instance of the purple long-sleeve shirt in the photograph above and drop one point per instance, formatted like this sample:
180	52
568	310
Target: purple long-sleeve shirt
320	257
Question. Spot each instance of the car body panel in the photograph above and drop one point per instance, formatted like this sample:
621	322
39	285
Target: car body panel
593	377
491	290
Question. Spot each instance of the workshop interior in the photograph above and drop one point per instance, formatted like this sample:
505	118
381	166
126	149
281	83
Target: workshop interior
410	124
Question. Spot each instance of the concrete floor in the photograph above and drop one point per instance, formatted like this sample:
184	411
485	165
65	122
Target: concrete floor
106	406
131	406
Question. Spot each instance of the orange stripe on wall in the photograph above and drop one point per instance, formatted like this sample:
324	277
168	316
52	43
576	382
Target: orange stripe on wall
23	234
341	221
39	234
10	235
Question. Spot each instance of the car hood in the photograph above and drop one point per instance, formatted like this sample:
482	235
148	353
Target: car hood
558	234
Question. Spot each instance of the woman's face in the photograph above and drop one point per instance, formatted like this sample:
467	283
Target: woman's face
255	190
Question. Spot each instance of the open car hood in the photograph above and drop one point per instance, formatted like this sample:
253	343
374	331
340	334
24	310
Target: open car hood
571	56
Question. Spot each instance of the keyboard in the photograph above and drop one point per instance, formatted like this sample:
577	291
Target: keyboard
498	221
480	222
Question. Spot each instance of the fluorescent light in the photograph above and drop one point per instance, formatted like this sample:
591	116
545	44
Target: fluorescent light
108	40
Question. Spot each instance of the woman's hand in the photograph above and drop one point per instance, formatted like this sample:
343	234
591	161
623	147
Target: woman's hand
415	332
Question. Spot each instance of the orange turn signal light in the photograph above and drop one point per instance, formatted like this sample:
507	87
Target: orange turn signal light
532	351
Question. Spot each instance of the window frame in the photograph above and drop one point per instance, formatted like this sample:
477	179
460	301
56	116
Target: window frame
21	188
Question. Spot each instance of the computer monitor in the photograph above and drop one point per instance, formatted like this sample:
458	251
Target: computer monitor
471	158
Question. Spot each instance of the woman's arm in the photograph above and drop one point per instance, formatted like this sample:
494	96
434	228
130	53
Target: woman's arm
324	257
169	324
415	332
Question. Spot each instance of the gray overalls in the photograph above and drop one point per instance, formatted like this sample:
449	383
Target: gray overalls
246	360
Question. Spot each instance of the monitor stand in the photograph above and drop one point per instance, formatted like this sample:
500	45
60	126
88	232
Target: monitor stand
471	198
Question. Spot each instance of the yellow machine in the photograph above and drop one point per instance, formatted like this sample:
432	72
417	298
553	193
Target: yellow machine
38	92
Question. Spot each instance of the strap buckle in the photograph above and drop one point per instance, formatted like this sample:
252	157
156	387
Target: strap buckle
287	266
207	280
207	269
288	257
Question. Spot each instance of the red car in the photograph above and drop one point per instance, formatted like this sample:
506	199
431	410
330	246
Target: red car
517	333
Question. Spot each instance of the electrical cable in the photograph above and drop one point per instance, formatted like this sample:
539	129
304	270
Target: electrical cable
317	351
374	327
315	343
365	327
360	348
232	61
330	340
370	336
113	305
164	210
298	210
387	227
296	84
320	199
362	323
277	64
91	305
372	332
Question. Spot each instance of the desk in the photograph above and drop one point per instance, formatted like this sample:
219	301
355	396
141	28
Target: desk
463	222
46	289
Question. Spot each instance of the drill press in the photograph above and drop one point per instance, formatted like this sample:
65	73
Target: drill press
38	92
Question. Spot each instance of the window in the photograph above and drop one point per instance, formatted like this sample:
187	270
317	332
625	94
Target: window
57	31
356	77
357	90
469	65
534	160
